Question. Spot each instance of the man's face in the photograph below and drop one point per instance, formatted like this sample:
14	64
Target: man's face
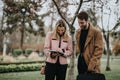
82	23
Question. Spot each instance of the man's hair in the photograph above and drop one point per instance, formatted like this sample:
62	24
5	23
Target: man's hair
82	15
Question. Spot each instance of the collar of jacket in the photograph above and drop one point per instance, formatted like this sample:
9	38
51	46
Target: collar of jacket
54	38
89	36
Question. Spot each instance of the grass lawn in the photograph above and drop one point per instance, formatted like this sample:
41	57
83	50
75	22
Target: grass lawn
22	76
114	74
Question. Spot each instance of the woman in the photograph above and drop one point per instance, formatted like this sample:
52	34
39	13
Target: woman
58	40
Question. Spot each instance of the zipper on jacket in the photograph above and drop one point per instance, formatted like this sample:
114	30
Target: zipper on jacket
59	43
59	47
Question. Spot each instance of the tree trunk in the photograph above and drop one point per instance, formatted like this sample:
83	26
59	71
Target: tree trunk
22	32
22	38
71	69
5	41
108	53
4	46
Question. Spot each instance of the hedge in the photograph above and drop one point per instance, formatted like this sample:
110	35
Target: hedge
19	68
17	52
28	51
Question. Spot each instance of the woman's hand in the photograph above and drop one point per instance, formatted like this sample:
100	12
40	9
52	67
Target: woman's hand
53	55
60	50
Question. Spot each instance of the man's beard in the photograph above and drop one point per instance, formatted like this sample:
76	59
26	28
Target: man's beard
84	27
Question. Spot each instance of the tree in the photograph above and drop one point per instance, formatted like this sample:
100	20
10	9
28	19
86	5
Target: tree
72	31
22	13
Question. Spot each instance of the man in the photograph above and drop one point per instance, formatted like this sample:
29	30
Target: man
89	45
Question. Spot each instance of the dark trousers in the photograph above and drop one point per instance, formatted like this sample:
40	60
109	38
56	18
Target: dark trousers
81	66
55	70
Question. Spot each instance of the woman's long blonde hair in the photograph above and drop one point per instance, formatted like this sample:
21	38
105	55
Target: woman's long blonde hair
60	23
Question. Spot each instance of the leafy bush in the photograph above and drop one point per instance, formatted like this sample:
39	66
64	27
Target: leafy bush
17	52
20	67
28	51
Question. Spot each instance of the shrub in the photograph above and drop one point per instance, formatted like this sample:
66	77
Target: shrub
17	52
28	51
20	67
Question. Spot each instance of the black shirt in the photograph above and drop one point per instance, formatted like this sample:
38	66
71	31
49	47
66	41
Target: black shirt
83	37
82	66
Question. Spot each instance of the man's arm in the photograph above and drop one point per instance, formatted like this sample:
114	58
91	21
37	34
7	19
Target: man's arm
98	50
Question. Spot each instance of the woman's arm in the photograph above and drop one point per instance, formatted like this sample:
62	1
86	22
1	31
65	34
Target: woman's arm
69	50
47	45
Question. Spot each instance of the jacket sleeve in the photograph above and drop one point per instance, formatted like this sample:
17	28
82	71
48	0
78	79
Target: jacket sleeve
47	44
69	50
98	50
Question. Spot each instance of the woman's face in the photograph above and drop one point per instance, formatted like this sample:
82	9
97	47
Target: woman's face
61	30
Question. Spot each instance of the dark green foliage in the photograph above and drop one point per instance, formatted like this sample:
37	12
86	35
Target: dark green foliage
21	12
19	67
17	52
28	51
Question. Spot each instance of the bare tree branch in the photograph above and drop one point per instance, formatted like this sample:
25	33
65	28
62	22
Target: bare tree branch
117	1
109	19
46	14
87	0
81	1
58	9
116	26
105	37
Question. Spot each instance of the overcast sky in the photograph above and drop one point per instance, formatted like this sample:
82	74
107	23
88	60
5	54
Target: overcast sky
72	9
110	4
1	5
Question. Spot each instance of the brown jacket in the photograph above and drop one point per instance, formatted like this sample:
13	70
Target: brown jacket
93	48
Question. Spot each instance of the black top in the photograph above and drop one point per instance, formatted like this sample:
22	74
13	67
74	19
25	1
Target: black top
82	66
83	37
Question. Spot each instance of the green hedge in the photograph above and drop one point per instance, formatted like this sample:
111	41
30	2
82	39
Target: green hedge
28	51
20	67
17	52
